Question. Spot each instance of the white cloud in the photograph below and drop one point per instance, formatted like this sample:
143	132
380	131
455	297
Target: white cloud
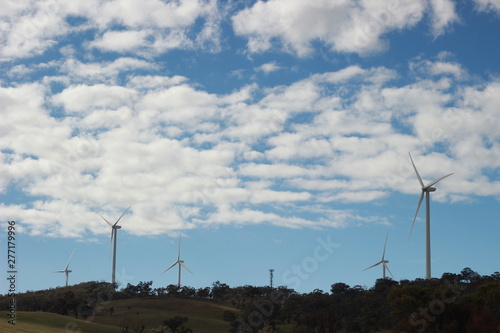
181	104
102	71
489	5
185	157
443	15
83	98
30	29
120	41
442	66
33	27
343	25
269	67
362	196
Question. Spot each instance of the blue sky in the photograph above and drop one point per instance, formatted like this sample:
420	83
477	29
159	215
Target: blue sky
269	134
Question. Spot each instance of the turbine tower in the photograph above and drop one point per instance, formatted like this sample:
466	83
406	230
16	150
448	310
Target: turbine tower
66	270
271	275
383	262
426	189
180	263
114	228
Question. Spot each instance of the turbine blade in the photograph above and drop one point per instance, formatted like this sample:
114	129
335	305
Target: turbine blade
372	266
437	180
175	263
121	216
58	271
70	259
418	175
385	245
416	213
387	267
186	268
110	224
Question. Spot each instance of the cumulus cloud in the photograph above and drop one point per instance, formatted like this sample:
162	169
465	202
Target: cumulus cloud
344	26
33	27
174	150
488	5
120	41
269	67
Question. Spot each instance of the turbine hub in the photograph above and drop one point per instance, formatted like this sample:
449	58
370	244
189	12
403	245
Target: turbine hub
431	189
117	227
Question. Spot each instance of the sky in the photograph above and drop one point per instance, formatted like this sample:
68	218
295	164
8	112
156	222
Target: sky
269	134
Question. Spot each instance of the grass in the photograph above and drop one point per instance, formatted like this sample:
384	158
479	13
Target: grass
203	317
44	322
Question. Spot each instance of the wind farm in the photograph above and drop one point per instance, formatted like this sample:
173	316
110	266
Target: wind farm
180	263
282	139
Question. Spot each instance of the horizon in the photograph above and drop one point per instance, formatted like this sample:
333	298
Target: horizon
259	131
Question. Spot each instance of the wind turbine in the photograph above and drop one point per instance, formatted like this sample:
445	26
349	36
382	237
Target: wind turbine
114	228
180	263
66	270
383	261
426	189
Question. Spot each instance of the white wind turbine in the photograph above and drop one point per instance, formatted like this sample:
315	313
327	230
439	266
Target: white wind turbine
66	270
426	189
114	228
180	263
383	261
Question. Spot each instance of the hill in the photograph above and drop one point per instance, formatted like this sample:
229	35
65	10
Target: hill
203	316
466	300
45	322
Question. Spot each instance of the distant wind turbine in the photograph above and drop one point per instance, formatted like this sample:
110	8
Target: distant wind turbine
114	228
426	189
383	261
180	263
66	270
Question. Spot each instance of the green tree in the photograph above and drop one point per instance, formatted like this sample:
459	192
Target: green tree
175	323
339	288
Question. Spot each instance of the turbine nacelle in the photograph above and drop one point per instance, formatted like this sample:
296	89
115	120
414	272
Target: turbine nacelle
430	189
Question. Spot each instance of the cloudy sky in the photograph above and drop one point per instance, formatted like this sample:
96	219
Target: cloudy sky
270	134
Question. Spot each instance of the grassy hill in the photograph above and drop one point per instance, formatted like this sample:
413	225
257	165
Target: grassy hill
45	322
203	317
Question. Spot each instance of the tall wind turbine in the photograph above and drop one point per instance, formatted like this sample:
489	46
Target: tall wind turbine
114	228
66	270
180	263
426	189
383	261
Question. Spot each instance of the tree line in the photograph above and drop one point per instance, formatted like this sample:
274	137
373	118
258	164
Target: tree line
460	303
